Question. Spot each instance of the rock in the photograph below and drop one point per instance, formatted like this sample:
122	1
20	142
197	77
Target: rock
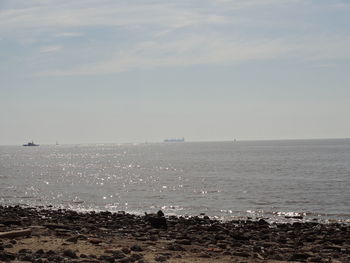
157	220
95	241
7	256
8	246
315	259
175	247
184	242
136	248
8	222
242	254
160	258
72	239
300	256
204	255
214	249
118	254
82	237
126	250
153	238
160	213
127	260
106	258
70	253
263	222
24	251
137	256
40	251
25	257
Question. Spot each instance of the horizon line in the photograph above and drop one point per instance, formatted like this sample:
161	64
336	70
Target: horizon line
190	141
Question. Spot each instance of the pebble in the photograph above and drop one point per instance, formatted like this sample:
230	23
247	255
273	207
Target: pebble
202	236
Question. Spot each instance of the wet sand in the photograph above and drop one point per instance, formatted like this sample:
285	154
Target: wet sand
48	235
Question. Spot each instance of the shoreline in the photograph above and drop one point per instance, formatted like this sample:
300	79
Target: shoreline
280	217
29	234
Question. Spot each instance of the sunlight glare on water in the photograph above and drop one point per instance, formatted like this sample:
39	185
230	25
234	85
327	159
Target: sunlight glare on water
225	179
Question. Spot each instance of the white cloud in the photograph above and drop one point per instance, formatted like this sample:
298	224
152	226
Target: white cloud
69	34
50	49
185	52
159	33
48	14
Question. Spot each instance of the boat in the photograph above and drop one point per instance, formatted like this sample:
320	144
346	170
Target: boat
31	144
175	140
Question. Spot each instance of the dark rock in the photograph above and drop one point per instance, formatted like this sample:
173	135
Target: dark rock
51	252
204	255
241	254
184	242
107	258
160	258
8	246
126	250
153	238
315	259
127	260
137	256
7	256
25	251
72	239
26	257
81	237
95	241
40	251
118	254
175	247
263	222
300	256
70	253
160	213
156	220
8	222
136	248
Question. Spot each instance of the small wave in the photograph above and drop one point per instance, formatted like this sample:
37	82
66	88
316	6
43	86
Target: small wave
25	197
173	207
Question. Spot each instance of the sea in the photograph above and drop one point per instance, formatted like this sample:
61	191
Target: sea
275	180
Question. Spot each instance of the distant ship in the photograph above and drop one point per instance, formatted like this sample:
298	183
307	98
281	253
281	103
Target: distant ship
175	140
31	144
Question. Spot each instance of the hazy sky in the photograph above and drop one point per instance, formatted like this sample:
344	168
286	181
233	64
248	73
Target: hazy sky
95	71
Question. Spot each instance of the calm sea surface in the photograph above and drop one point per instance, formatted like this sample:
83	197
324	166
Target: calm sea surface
225	179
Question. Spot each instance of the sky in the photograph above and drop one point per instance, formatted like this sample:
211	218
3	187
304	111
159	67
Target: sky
115	71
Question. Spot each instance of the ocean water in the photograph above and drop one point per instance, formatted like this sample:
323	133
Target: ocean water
271	179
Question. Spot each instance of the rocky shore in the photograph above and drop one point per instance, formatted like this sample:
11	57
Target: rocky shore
45	235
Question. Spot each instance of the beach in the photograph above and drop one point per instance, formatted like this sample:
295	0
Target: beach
29	234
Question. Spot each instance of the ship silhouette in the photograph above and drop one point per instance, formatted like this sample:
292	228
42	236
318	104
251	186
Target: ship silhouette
175	140
31	144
